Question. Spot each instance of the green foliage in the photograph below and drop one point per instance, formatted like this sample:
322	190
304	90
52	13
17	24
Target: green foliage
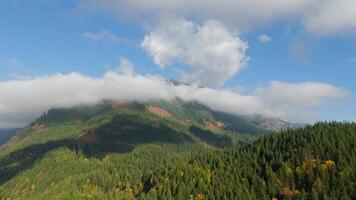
198	114
192	112
316	162
129	153
211	138
82	113
40	134
239	124
134	129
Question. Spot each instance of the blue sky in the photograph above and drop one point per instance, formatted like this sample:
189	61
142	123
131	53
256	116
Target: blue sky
42	37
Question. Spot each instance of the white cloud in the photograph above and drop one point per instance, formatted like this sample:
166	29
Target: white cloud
125	67
213	53
332	16
264	38
299	94
296	100
318	16
23	100
101	36
12	61
240	13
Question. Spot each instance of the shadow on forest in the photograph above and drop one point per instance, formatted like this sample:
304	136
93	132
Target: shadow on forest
211	138
119	136
25	158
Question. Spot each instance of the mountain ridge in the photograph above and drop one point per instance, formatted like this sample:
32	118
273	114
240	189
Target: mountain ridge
292	164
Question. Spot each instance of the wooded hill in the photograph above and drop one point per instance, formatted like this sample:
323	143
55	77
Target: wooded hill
160	150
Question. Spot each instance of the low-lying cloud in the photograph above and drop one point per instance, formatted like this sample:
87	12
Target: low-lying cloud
24	100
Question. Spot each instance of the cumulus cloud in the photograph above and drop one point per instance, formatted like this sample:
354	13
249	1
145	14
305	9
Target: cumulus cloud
101	36
264	38
23	100
213	53
317	16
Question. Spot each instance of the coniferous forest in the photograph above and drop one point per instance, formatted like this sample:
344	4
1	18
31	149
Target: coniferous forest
161	151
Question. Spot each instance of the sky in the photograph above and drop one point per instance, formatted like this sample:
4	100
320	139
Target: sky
291	59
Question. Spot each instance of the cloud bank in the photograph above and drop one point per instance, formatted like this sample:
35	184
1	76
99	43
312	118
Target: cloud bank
321	17
24	100
212	52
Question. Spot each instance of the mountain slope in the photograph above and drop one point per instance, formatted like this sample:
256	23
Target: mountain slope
160	150
176	122
317	162
256	125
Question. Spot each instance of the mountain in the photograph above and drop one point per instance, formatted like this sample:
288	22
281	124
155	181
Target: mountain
256	124
174	150
132	124
6	134
272	124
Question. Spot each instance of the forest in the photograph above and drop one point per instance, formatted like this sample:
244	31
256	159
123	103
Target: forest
130	153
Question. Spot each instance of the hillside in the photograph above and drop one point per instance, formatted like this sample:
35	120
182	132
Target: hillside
160	150
6	134
244	124
317	162
163	122
63	123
